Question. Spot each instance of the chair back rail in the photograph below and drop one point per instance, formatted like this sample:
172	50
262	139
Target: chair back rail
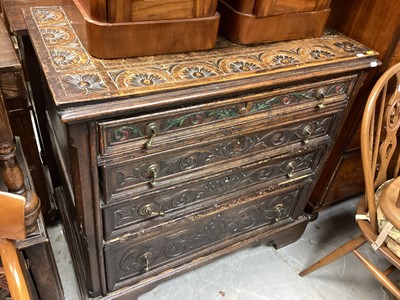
379	133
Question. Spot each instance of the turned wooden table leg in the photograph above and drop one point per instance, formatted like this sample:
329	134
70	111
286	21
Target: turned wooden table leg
11	171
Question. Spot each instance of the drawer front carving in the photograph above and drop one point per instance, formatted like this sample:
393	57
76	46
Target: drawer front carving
162	207
149	173
144	255
141	132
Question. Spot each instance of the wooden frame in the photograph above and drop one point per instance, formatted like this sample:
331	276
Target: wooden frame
247	28
128	39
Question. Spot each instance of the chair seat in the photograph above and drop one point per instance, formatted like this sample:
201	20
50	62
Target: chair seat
392	240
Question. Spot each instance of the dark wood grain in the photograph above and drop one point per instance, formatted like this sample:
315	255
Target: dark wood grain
20	111
8	59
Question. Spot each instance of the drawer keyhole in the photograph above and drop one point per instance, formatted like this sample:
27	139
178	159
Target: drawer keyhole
290	168
153	171
277	210
152	130
145	258
148	210
321	97
307	131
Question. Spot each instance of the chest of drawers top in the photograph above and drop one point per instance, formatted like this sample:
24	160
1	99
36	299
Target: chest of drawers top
84	87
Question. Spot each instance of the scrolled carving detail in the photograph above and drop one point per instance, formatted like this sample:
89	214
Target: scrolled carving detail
226	150
213	188
204	233
132	261
127	132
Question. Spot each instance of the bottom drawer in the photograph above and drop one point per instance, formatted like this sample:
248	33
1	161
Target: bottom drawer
131	260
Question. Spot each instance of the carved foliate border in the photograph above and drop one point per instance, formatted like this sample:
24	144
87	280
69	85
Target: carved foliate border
83	75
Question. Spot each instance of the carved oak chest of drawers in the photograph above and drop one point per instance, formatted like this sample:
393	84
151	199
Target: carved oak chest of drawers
172	161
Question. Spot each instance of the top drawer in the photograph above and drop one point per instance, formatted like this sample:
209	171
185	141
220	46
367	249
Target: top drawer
167	128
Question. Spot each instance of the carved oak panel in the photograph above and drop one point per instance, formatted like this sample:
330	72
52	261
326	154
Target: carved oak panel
140	130
148	173
138	256
168	205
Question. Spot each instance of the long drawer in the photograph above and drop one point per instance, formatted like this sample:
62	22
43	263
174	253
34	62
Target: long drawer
136	213
143	174
131	260
175	128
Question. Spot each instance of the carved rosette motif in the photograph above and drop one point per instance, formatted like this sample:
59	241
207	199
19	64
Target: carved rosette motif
83	83
153	253
231	61
128	132
127	176
48	15
57	35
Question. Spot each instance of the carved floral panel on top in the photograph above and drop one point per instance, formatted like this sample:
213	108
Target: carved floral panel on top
83	83
135	76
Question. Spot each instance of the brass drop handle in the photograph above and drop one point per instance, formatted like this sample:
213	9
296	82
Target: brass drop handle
307	131
148	210
321	97
290	167
278	212
146	259
152	130
153	171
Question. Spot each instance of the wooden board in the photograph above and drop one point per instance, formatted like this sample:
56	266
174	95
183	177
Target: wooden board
129	39
249	29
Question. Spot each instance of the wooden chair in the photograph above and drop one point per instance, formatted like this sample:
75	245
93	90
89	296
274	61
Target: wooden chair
378	212
12	227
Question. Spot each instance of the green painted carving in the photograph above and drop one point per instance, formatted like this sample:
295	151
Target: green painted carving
127	132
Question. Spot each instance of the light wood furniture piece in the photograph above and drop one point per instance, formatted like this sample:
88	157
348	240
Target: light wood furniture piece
361	20
257	21
172	161
144	10
15	178
126	28
12	227
379	141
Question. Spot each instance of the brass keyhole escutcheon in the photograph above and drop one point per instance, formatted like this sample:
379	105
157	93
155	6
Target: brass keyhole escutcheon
277	210
148	210
152	130
145	258
290	168
321	97
307	131
153	171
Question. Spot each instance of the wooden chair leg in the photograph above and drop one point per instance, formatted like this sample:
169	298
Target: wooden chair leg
389	270
335	255
12	268
382	278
